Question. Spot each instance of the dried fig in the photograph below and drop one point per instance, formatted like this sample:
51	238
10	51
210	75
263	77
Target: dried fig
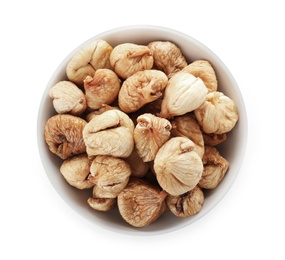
63	135
102	88
218	114
215	168
110	133
187	204
141	88
167	56
183	93
150	133
140	204
110	175
203	70
94	56
102	204
129	58
177	166
68	98
214	139
187	126
75	171
138	167
103	108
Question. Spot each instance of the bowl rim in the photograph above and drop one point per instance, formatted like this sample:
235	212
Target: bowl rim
129	28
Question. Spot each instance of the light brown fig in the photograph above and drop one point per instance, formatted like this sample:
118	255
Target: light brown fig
102	204
109	133
218	114
203	70
167	56
94	56
129	58
183	93
214	139
75	171
140	203
68	98
63	135
187	204
187	126
150	133
141	88
177	166
109	176
102	88
139	168
215	168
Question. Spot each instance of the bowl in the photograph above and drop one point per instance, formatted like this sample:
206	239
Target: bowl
233	149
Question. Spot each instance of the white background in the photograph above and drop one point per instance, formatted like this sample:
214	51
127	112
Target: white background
249	38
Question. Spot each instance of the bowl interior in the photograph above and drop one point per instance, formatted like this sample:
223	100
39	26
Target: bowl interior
233	149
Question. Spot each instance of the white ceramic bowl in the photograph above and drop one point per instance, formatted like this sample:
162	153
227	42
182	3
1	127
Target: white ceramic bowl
233	149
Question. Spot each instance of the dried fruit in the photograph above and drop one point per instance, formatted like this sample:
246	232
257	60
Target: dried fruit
151	132
218	114
109	176
110	133
138	167
203	70
187	126
141	88
63	135
177	166
215	168
102	88
129	58
167	56
75	170
94	56
68	98
102	204
187	204
140	204
214	139
183	93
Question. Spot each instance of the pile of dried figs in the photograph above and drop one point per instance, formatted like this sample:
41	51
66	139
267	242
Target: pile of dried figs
138	125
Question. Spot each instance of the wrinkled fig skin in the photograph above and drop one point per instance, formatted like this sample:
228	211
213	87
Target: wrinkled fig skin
75	170
214	139
63	135
215	168
167	56
140	204
68	98
187	204
187	126
129	58
110	133
101	89
203	69
110	175
177	166
151	132
102	204
100	111
183	93
218	114
86	61
141	88
138	166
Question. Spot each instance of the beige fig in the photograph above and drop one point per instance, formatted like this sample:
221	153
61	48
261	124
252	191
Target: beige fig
110	133
102	88
129	58
102	204
68	98
141	88
218	114
177	166
94	56
183	93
